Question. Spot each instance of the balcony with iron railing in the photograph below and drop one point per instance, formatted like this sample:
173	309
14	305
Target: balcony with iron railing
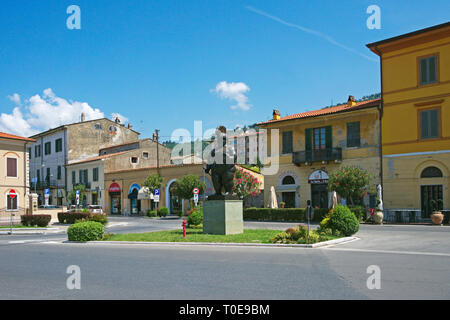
320	155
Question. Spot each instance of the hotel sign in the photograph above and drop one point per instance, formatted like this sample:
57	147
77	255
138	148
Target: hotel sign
318	177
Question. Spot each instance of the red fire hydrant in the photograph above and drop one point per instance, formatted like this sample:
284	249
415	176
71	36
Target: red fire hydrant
184	228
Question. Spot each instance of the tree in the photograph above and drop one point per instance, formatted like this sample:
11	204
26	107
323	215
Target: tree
245	184
72	196
185	185
350	183
153	182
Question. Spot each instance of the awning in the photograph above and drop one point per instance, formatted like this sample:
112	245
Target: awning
144	194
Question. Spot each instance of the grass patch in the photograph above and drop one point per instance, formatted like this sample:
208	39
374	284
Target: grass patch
196	235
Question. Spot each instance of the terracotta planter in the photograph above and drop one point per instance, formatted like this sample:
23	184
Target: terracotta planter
437	217
378	217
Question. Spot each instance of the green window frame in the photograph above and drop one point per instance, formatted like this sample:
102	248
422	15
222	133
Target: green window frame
429	124
48	148
428	70
95	174
353	134
58	145
287	142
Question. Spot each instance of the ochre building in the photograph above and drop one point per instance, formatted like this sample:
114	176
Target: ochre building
313	144
415	80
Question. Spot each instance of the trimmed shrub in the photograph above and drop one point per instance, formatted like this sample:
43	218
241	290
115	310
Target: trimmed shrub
86	231
162	212
151	213
102	218
341	221
298	234
40	220
195	218
72	217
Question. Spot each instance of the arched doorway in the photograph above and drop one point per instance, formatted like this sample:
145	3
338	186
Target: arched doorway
431	190
287	189
174	203
135	203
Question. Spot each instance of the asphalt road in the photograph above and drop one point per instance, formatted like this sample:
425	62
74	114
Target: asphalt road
414	262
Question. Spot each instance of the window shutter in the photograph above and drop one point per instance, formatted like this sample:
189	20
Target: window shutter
431	69
423	71
424	124
11	167
433	124
308	139
328	137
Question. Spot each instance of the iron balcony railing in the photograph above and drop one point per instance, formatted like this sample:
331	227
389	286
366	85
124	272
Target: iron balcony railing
309	156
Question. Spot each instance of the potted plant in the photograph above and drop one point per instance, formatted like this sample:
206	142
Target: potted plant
282	204
436	215
378	214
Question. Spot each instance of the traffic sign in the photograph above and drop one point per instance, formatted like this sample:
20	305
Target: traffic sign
156	192
196	191
12	193
156	195
47	191
196	198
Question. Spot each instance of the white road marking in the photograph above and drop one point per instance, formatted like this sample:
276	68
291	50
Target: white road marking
390	251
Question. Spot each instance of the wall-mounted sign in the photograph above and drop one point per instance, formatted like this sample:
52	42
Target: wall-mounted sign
318	177
114	187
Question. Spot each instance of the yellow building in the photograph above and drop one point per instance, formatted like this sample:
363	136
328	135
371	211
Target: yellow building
14	184
415	81
315	143
124	188
125	193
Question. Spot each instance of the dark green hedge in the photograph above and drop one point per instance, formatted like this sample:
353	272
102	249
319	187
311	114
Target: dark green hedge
40	220
282	214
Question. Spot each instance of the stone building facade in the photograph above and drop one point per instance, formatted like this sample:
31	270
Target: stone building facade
55	148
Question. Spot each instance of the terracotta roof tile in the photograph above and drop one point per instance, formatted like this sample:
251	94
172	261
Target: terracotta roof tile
11	136
326	111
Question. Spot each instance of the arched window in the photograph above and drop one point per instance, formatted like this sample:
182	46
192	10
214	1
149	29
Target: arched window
288	180
431	172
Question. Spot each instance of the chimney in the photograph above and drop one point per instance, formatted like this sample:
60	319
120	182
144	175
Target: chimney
117	120
351	101
82	117
275	114
130	126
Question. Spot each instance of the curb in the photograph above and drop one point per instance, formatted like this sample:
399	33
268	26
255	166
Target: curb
32	231
221	244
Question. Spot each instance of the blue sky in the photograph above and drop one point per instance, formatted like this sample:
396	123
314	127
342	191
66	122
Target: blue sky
157	63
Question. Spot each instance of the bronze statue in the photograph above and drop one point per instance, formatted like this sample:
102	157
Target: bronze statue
222	174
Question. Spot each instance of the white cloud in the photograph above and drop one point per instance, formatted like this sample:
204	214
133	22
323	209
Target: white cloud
234	91
43	113
15	98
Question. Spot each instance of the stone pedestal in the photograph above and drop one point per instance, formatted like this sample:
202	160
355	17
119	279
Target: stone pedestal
223	217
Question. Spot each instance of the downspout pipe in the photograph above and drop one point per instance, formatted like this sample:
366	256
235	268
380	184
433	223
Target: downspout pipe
380	109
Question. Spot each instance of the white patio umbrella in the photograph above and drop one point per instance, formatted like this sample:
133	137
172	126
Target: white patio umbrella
273	198
380	206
